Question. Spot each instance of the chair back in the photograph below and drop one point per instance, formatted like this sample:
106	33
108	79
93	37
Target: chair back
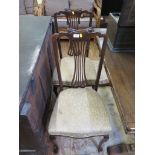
72	18
80	41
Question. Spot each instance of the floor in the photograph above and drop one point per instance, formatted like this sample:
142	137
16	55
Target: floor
121	67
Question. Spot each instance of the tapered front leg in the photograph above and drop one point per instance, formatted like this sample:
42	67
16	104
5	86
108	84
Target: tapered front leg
105	138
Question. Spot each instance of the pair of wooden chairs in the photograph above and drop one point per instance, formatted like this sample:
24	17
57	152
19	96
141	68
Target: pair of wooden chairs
79	111
73	20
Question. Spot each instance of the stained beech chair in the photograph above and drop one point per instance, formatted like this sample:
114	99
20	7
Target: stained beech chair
73	21
73	18
79	111
91	66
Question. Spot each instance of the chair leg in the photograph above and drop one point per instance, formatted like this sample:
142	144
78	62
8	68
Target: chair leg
99	146
59	47
105	138
55	148
55	89
70	50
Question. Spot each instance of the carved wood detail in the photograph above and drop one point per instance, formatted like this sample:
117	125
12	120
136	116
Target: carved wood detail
73	21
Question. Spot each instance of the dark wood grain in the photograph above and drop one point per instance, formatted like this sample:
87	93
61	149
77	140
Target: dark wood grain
72	18
121	67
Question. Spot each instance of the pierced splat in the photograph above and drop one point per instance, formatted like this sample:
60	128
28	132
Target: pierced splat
73	21
80	47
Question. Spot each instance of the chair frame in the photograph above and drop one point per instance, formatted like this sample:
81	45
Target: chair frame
73	18
87	36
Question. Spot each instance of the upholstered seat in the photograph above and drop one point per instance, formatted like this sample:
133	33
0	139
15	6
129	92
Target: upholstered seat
91	67
100	40
79	112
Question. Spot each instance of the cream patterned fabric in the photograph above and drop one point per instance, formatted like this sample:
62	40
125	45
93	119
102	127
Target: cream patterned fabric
82	4
67	70
79	112
53	6
84	146
100	40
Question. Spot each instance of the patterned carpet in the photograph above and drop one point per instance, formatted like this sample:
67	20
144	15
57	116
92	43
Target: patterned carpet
86	146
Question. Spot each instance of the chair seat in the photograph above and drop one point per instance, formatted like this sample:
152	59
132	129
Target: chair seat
79	112
67	71
100	40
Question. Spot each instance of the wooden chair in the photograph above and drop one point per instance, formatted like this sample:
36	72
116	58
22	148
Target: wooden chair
79	111
91	66
73	18
73	21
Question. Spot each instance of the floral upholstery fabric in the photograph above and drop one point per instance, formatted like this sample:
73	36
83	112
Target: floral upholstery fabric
82	4
85	146
79	112
53	6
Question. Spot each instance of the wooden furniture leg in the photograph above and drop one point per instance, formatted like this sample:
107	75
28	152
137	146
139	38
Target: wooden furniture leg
99	146
55	146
